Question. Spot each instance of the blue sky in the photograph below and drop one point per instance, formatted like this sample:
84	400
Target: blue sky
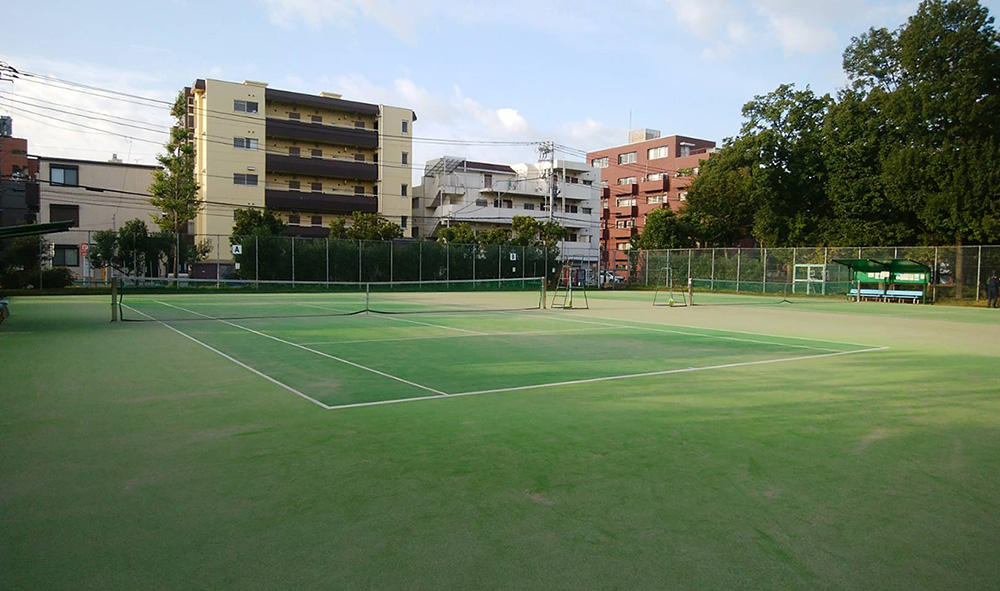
511	70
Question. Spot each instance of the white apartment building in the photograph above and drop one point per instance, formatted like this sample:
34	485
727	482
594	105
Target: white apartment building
486	195
96	195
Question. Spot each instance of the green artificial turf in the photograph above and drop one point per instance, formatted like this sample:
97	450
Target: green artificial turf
132	457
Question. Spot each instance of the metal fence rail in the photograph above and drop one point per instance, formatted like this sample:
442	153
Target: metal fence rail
958	272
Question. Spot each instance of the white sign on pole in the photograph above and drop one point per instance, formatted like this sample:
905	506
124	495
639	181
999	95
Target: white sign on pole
237	249
513	256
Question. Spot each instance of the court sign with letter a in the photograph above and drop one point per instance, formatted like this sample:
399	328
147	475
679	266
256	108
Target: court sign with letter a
237	249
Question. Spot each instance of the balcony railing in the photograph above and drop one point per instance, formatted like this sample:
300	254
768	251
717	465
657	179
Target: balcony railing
335	203
319	132
340	169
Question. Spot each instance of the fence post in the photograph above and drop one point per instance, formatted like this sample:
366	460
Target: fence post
256	262
293	260
420	260
447	262
826	263
934	275
646	266
218	266
328	262
689	264
712	278
763	260
979	270
475	255
392	251
359	260
738	258
499	262
795	256
523	265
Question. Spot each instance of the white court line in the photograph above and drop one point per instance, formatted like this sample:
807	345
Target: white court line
759	334
693	334
471	332
461	336
667	371
236	361
304	348
611	378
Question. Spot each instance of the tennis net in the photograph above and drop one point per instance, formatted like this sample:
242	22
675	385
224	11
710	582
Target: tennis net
168	299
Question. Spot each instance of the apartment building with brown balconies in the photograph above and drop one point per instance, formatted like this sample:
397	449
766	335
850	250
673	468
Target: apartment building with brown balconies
650	172
311	158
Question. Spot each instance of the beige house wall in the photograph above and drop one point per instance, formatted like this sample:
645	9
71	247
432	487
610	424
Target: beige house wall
393	174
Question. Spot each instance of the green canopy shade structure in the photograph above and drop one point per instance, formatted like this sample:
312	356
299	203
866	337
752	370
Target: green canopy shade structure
888	273
34	229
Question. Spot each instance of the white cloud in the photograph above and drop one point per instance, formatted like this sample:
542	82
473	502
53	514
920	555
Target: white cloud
53	117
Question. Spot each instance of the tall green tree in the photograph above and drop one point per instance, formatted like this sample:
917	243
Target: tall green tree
367	226
174	190
664	229
458	234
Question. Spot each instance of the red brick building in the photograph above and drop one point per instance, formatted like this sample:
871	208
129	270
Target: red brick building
14	153
650	172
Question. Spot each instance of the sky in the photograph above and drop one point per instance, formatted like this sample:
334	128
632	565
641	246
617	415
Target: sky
580	73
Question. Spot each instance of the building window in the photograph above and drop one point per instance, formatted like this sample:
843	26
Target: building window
481	202
316	119
405	157
599	162
402	221
628	223
293	219
64	213
571	238
604	184
488	181
685	150
627	158
317	153
503	203
655	176
586	210
359	157
405	127
294	185
359	124
375	158
683	196
629	180
247	180
375	190
245	143
626	201
572	209
403	189
294	117
317	187
654	199
317	220
294	151
359	190
529	206
66	255
64	175
654	153
624	246
604	203
588	183
245	106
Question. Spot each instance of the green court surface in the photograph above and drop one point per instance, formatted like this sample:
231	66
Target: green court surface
282	440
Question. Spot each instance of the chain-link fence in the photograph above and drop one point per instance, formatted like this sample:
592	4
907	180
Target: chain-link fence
957	272
94	258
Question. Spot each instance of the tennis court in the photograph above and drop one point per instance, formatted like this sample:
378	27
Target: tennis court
742	442
346	345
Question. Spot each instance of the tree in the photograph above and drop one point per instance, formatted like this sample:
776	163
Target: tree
493	236
257	222
130	251
369	226
720	205
174	190
664	229
458	234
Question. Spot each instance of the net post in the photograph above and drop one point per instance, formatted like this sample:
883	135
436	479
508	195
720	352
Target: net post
763	284
690	301
114	299
367	297
739	252
979	271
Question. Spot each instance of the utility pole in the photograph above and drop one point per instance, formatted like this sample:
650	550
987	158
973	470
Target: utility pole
547	150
